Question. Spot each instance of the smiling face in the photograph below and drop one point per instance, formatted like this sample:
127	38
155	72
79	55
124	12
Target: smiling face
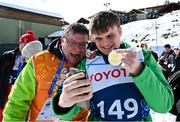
74	46
177	51
106	31
106	41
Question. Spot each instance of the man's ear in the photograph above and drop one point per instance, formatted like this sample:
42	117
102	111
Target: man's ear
91	37
61	40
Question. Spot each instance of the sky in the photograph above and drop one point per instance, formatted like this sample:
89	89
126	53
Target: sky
72	10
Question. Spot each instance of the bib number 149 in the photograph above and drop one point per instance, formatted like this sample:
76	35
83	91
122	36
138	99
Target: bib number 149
116	109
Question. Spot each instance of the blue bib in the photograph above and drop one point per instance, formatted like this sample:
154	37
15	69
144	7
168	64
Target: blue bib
115	96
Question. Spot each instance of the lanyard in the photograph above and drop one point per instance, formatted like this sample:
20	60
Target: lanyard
20	65
19	68
56	76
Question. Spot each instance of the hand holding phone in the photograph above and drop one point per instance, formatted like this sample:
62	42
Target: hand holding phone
76	89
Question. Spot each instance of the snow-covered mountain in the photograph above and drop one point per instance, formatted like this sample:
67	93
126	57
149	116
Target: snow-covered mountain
165	29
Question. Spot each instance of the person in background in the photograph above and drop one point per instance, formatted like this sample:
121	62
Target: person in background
144	45
38	80
31	49
165	60
11	63
120	93
155	55
175	57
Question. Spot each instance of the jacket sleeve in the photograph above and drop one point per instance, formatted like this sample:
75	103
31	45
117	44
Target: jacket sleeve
21	95
153	86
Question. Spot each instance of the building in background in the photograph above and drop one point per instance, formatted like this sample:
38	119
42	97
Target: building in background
143	13
16	20
152	12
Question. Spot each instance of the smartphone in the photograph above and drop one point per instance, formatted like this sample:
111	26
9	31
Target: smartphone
73	71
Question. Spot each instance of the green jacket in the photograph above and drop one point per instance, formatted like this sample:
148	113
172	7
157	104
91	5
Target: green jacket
151	83
16	108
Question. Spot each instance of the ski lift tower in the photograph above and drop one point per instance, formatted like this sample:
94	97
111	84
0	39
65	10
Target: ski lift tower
156	35
106	5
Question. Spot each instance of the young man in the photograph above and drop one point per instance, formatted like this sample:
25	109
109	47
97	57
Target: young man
38	80
11	63
120	93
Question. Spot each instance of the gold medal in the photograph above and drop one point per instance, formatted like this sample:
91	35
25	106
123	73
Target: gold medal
114	58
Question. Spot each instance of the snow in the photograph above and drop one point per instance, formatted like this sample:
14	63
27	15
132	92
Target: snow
56	34
158	117
156	33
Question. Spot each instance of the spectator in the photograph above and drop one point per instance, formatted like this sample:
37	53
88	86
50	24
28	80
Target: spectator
176	59
165	60
120	93
144	45
38	80
11	63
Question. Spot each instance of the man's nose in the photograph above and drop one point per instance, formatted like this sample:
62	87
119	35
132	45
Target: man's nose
77	48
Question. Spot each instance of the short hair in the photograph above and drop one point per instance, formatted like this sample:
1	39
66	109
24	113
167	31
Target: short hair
102	21
144	45
167	46
76	28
